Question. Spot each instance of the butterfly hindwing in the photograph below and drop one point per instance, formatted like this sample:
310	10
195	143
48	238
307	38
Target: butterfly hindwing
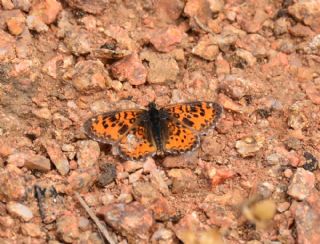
138	143
179	138
198	116
111	127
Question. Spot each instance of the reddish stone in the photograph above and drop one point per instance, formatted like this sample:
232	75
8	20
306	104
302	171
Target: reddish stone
47	11
307	219
218	215
228	104
30	160
19	210
165	40
57	156
253	25
121	35
308	12
159	180
193	7
7	4
136	176
245	57
132	166
249	145
167	10
5	149
88	154
183	161
313	93
90	22
161	67
93	6
132	220
7	222
206	48
82	179
235	87
31	229
7	46
51	67
42	113
222	66
300	30
152	199
130	68
79	40
210	148
277	63
302	184
163	235
16	25
68	228
149	165
293	158
60	121
282	207
90	76
216	5
305	73
221	176
189	222
200	12
23	5
225	125
183	180
36	24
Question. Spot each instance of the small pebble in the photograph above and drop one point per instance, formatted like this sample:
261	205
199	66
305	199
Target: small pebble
302	184
250	145
282	207
288	173
19	210
108	175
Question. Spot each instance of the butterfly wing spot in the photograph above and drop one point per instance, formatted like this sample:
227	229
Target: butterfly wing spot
110	127
136	144
180	139
187	121
196	115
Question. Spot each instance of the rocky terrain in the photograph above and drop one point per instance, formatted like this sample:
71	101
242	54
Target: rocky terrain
255	178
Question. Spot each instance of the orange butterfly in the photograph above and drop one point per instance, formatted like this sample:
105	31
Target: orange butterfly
139	133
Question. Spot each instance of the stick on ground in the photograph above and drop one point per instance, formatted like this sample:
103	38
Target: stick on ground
103	229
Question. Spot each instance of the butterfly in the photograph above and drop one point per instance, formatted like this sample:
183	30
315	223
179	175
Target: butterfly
139	133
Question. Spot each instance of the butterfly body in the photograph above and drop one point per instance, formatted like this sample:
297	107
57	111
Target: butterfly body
140	133
157	120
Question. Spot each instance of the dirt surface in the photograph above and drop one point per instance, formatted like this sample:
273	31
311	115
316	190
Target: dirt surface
255	178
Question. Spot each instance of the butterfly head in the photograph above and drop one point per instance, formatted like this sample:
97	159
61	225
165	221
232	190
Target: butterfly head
152	106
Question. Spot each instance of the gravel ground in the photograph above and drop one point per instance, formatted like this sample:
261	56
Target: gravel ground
254	179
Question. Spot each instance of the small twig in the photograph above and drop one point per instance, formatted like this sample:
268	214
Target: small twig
202	26
103	230
39	194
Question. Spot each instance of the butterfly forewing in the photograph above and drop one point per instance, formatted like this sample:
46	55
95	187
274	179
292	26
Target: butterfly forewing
138	143
111	127
198	116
